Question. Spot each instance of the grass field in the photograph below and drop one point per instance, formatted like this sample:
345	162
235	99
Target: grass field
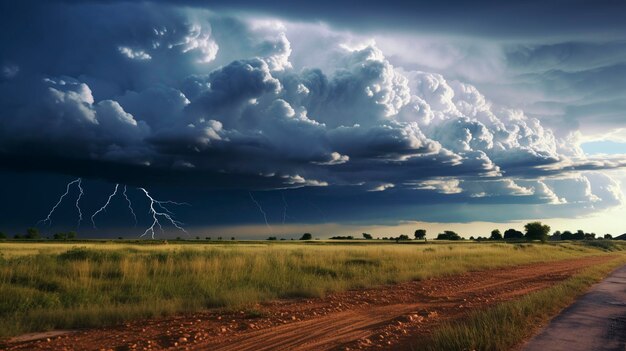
68	285
506	325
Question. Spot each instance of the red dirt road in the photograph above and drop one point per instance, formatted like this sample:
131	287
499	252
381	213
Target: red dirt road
387	317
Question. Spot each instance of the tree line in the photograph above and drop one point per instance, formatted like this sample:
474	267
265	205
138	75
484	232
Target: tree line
34	234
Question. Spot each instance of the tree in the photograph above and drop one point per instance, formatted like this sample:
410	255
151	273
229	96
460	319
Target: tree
590	236
579	235
403	237
496	235
608	236
271	238
567	235
537	231
448	235
306	236
3	235
513	234
32	233
367	236
71	235
420	234
59	236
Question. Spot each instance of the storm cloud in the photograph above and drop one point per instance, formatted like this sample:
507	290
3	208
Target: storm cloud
154	93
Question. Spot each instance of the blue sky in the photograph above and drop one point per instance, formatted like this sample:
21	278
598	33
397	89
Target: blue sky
330	117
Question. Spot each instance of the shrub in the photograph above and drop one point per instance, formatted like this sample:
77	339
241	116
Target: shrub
449	235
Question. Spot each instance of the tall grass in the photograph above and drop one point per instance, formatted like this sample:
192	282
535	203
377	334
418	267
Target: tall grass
46	286
506	325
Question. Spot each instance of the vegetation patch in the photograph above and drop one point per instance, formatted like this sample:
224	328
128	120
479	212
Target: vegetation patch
506	325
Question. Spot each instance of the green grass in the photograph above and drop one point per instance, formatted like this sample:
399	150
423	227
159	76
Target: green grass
70	285
508	324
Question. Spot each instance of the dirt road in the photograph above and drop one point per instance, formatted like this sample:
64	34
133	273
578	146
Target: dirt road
596	321
387	317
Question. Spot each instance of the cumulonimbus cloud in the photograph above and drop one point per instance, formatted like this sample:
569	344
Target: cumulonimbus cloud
164	96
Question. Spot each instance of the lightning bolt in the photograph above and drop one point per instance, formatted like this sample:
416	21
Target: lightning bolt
130	204
80	195
67	190
168	215
284	208
260	210
103	208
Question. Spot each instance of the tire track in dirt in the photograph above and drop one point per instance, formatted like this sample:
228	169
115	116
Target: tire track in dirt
386	317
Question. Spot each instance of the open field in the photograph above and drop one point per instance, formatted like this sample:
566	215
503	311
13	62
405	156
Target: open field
401	316
57	285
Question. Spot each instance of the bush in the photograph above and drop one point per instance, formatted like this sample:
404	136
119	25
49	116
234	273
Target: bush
306	236
513	234
32	233
449	235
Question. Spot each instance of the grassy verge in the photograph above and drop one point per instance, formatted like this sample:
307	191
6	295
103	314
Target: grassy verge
508	324
49	286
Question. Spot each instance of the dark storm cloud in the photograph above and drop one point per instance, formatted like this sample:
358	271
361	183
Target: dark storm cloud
544	19
152	93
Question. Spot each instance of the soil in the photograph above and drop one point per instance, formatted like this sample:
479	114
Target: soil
390	317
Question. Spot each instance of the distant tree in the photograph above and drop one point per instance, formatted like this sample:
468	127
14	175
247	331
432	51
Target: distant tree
555	236
59	236
608	236
367	236
339	237
271	238
567	235
17	236
120	238
448	235
472	238
513	234
420	234
197	238
3	235
32	233
282	239
306	236
232	238
537	231
71	235
496	235
208	238
590	236
579	235
403	237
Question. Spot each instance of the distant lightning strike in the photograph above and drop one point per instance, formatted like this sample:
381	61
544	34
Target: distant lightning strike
155	214
48	218
130	204
260	210
80	195
284	208
157	208
103	208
